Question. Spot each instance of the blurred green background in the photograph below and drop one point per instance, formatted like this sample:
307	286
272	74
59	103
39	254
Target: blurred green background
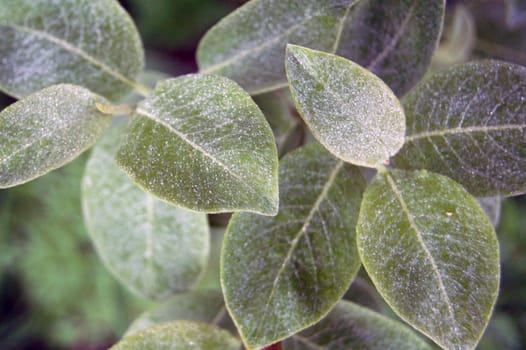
54	291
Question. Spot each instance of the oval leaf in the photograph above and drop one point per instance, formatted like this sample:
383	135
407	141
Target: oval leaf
248	46
199	141
92	43
350	326
201	306
282	274
432	253
469	123
152	247
348	109
179	335
393	39
47	130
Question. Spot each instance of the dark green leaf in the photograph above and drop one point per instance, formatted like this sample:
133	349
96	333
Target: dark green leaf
350	326
432	253
92	43
469	123
179	335
46	130
154	248
282	274
348	109
199	141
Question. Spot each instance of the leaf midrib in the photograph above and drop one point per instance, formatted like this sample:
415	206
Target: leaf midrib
466	130
315	208
420	240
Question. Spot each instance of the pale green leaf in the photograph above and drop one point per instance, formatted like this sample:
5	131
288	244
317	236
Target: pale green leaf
199	306
350	326
248	46
47	130
393	39
92	43
282	274
348	109
179	335
152	247
199	141
432	253
469	123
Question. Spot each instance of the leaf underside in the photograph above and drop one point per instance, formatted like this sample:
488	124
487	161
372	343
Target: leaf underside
92	43
347	108
469	123
46	130
200	142
282	274
432	253
152	247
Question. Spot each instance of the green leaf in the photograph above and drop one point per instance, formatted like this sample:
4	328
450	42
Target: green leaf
92	43
282	274
199	141
469	123
152	247
348	109
201	306
179	335
393	39
350	326
432	253
46	130
396	38
248	46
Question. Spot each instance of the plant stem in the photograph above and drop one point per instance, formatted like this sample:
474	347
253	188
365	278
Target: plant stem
276	346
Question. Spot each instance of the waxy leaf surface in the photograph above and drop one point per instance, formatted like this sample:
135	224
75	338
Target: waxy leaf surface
179	335
393	39
200	306
350	326
92	43
432	253
282	274
348	109
199	141
47	130
153	247
469	123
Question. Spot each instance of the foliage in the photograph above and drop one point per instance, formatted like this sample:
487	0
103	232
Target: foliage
387	180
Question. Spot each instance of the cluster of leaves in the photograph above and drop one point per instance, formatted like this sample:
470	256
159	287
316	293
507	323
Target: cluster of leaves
387	181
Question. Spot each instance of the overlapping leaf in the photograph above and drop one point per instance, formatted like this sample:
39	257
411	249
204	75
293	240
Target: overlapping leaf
92	43
154	248
350	326
469	123
348	109
432	253
47	130
395	39
200	306
199	141
282	274
180	335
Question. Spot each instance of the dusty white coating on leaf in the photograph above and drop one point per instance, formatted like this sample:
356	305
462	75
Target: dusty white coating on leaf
154	248
92	43
348	109
350	326
469	123
248	46
432	253
282	274
47	130
201	142
180	335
